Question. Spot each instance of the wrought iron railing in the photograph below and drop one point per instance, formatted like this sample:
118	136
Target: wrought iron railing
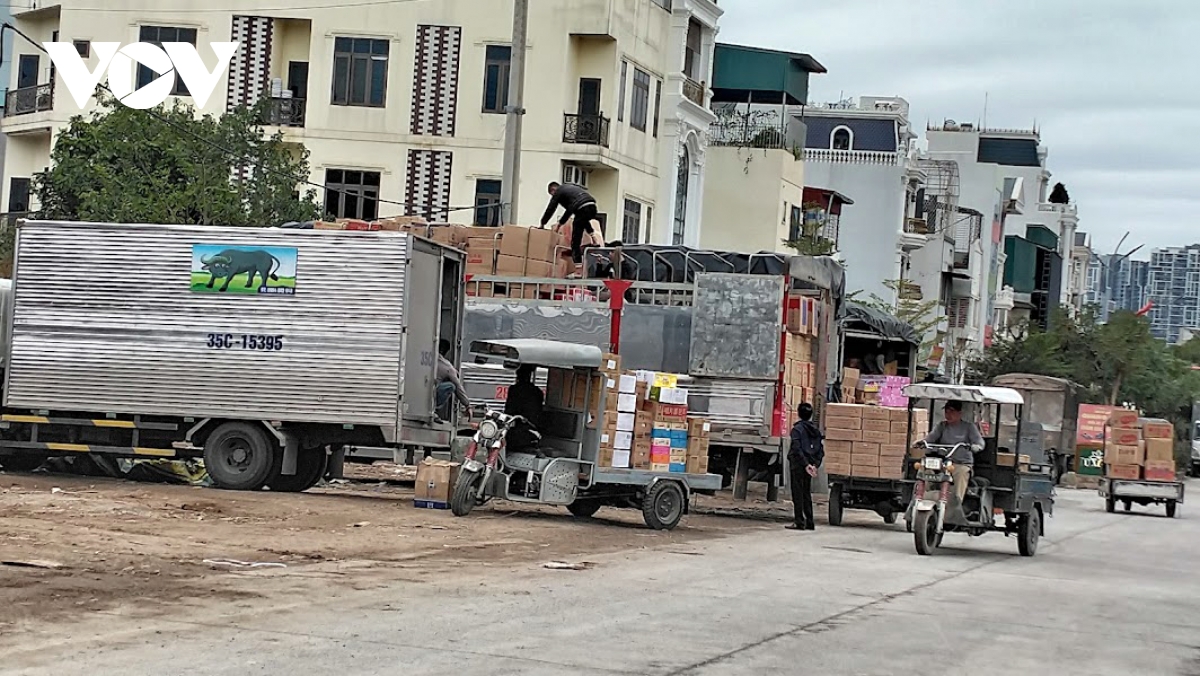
28	100
694	91
286	112
586	129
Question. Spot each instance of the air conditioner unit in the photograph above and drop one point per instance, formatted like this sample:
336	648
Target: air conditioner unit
573	173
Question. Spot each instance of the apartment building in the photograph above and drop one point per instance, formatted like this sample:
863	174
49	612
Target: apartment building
401	104
1174	289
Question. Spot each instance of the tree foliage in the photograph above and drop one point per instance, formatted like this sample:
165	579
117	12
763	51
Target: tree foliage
1059	194
922	315
126	165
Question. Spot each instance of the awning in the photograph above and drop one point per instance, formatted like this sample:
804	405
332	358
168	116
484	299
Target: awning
875	321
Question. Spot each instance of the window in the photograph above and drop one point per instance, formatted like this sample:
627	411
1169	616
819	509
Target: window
691	52
487	202
158	35
495	78
796	224
83	47
841	139
657	104
632	226
360	72
18	195
621	92
352	194
649	221
641	99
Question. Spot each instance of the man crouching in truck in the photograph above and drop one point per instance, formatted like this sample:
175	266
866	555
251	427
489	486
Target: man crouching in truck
449	385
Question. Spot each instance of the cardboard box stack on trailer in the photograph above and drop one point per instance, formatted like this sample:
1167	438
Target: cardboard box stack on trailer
1136	449
870	442
800	369
646	425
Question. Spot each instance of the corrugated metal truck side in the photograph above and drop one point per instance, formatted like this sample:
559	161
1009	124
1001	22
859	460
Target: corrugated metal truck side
168	333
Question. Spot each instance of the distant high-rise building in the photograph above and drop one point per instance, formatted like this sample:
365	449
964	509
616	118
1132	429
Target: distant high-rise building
1174	288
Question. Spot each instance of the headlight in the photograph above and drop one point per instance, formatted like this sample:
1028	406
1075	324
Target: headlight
932	463
488	429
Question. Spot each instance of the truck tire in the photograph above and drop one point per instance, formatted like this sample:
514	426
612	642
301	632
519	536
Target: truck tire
21	463
1110	504
1171	509
663	506
835	505
239	456
890	518
1028	531
584	509
310	467
924	536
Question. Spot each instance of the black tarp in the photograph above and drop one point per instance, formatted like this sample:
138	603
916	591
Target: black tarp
863	318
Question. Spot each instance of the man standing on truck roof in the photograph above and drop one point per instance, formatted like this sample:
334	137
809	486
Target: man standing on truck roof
449	385
578	203
951	431
805	455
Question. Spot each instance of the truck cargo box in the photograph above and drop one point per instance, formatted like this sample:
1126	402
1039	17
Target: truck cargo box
300	326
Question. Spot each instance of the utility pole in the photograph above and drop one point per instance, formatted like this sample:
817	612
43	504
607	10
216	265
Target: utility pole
514	111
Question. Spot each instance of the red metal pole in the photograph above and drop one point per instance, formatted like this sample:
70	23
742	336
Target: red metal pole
616	303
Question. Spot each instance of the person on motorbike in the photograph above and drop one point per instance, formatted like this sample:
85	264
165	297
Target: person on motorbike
950	432
526	400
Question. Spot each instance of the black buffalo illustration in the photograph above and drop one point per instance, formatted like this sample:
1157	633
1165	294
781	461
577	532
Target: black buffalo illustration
233	262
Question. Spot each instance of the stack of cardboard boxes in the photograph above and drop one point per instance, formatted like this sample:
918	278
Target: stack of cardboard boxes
870	441
646	425
800	374
1137	449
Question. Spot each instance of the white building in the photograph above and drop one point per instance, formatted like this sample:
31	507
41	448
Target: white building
404	101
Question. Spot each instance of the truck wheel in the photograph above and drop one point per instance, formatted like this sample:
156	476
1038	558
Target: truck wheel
239	457
835	505
584	509
1128	505
924	534
663	505
465	492
21	463
310	467
1171	509
890	518
1028	532
1110	504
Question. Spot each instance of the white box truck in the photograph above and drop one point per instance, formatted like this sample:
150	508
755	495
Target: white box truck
255	348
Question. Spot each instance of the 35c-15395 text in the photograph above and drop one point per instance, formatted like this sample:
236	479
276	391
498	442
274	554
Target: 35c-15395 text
245	341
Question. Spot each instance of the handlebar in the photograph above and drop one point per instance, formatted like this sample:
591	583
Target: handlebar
941	450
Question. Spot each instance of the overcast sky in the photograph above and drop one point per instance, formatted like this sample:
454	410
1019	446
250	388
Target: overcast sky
1113	84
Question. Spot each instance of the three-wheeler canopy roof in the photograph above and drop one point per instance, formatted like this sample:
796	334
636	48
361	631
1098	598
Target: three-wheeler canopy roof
975	395
548	353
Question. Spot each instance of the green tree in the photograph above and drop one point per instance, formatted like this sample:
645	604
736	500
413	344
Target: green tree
922	315
126	165
810	242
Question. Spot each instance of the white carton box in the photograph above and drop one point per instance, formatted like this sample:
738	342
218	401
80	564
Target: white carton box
623	441
626	421
621	459
628	385
627	403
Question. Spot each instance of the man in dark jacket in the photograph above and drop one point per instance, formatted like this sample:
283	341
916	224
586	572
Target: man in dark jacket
805	455
526	400
577	203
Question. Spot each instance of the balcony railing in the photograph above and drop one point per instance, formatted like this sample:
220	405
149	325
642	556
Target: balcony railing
916	226
694	91
286	112
28	100
589	130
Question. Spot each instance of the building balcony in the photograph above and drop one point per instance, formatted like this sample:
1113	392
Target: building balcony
869	157
589	130
286	112
26	100
916	226
695	91
914	235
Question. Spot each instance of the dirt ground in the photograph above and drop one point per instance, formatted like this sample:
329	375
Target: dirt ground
76	545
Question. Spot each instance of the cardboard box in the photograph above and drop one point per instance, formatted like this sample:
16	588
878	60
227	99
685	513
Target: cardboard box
543	245
900	439
697	465
627	385
900	415
866	472
612	401
872	425
893	450
605	457
877	413
1011	459
843	423
864	448
899	427
833	446
1160	450
621	459
514	241
435	483
698	427
481	261
538	269
1122	436
837	468
625	422
838	458
1124	455
666	412
640	459
1123	418
627	403
623	441
844	410
864	460
697	446
512	266
1158	430
1159	470
850	376
843	435
891	468
1130	472
876	437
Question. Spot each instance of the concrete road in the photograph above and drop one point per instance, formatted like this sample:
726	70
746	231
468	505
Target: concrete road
1107	594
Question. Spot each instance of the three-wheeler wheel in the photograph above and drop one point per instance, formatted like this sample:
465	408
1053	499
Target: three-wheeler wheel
836	509
663	505
1171	509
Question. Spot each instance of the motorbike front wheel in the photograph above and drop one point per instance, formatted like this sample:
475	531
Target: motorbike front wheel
465	492
925	533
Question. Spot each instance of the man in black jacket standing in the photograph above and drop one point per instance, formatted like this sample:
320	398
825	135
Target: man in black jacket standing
577	203
805	455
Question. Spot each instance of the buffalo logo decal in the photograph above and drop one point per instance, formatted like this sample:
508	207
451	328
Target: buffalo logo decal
243	270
